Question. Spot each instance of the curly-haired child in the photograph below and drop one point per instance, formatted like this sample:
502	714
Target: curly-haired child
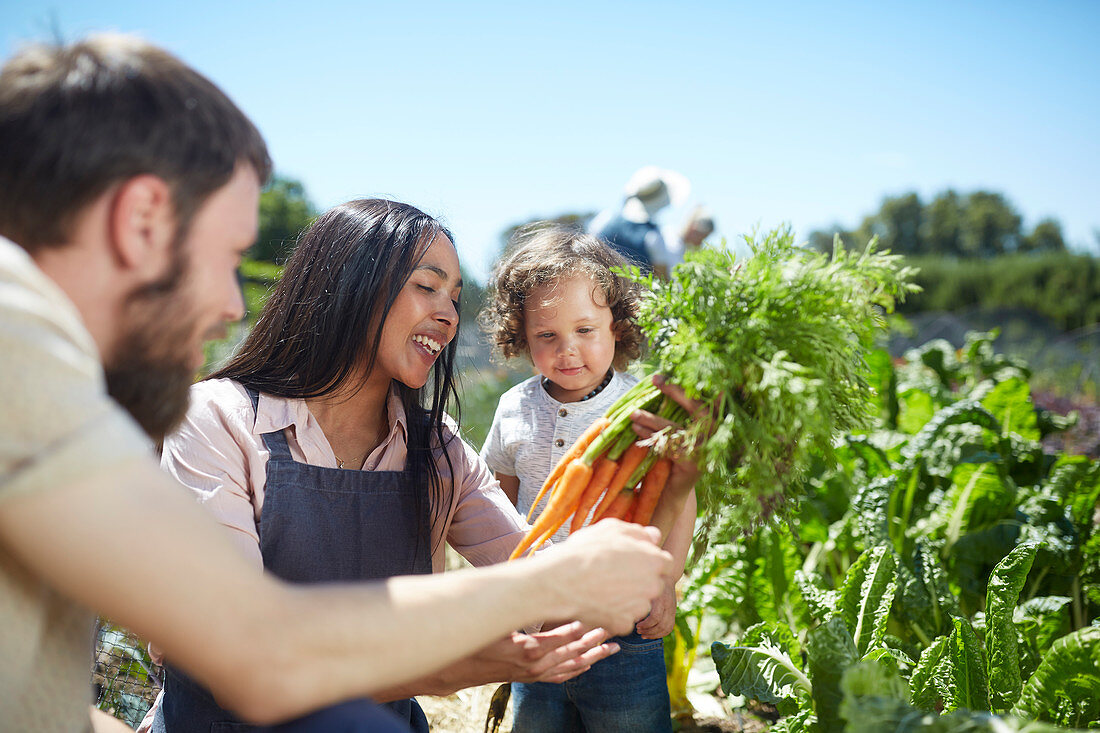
554	299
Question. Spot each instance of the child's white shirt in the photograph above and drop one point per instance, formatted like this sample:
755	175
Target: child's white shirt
531	431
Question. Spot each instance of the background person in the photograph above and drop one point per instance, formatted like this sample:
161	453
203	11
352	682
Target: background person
131	185
632	230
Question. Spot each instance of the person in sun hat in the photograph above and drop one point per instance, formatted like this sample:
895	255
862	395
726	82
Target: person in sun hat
632	230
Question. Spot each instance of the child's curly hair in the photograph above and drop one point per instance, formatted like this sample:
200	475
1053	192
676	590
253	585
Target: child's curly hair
543	253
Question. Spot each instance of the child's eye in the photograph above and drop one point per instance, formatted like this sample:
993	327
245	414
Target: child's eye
545	335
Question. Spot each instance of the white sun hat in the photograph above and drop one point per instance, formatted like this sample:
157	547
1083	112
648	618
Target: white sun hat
650	183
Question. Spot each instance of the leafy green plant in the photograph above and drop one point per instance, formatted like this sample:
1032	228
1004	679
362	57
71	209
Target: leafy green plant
944	555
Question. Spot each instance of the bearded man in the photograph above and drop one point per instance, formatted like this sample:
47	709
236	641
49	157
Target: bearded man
129	187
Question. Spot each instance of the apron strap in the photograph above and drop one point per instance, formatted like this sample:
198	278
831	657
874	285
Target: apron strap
275	441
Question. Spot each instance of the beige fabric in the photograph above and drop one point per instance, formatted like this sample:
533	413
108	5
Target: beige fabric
58	426
218	453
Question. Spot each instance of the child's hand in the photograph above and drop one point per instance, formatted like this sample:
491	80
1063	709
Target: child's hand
685	472
662	617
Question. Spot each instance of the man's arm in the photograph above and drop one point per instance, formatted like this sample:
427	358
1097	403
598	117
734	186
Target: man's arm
278	650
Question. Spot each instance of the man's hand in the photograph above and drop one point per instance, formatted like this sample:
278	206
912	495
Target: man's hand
607	574
662	617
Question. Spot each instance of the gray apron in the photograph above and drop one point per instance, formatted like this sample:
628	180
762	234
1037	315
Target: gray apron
319	525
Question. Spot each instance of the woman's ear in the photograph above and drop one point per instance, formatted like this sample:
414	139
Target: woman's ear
142	224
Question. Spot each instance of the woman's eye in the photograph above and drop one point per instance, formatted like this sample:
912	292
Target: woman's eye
584	330
426	288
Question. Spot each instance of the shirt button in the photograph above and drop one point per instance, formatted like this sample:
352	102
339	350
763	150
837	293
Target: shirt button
563	412
559	442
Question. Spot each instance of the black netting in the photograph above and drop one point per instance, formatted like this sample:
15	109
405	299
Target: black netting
125	679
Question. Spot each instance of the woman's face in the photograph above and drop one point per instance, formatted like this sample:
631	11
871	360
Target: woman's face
423	318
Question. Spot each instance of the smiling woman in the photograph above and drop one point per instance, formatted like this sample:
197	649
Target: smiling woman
324	444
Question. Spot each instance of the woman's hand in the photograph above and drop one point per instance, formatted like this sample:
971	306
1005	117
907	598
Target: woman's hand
556	655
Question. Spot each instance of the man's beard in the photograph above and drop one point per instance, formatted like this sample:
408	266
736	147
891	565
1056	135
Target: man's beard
150	373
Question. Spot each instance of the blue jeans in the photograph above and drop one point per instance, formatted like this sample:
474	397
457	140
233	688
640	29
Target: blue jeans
354	716
626	692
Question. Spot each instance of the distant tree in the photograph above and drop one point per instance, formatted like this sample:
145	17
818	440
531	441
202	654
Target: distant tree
1045	237
898	223
942	224
990	226
284	212
981	224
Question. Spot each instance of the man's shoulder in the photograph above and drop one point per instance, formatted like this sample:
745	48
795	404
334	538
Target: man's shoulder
30	298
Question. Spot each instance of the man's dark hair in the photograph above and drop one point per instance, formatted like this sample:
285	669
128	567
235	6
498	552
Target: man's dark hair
78	119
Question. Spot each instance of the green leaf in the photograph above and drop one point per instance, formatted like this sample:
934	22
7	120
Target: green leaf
875	698
866	596
830	651
951	672
978	497
1065	689
916	408
925	693
1002	651
1010	403
969	685
1039	621
763	672
820	602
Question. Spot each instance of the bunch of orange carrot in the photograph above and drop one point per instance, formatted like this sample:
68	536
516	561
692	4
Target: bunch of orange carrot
608	472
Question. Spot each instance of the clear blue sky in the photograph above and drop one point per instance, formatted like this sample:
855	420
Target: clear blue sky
490	113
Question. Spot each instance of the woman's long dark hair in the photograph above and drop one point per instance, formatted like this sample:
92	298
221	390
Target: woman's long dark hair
325	315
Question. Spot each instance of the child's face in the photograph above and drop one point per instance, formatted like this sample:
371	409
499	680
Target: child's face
568	328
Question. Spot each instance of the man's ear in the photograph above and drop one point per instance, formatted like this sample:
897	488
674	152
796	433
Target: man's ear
142	224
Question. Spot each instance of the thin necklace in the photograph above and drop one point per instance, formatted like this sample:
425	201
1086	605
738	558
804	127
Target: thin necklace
599	388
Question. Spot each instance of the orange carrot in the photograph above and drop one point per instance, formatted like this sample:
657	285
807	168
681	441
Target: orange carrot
652	486
620	506
603	470
574	452
560	507
628	462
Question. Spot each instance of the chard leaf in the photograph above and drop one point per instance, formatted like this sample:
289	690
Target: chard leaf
916	408
830	651
779	635
923	689
1065	689
1010	403
866	596
874	695
978	497
1001	596
821	603
763	671
1039	622
951	672
964	411
969	685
